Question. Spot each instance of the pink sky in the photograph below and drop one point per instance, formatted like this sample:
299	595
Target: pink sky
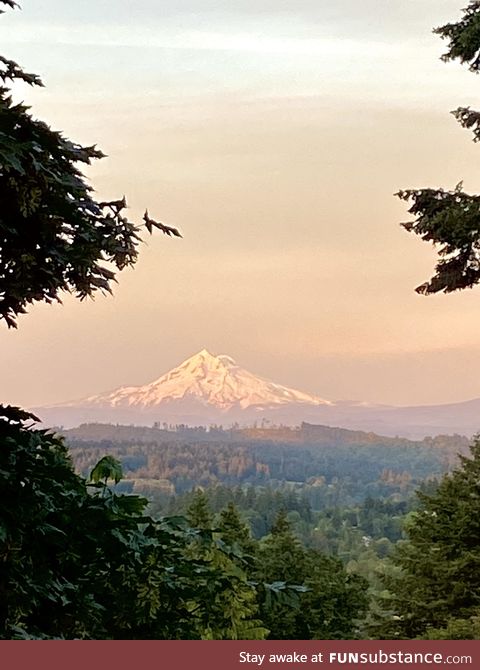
274	135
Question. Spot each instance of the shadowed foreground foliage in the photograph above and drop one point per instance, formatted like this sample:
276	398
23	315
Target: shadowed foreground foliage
80	561
54	235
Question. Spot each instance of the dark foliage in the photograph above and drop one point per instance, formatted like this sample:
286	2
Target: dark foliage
437	589
54	236
463	37
80	561
329	600
451	219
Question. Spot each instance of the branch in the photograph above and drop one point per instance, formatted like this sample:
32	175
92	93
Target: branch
151	223
470	119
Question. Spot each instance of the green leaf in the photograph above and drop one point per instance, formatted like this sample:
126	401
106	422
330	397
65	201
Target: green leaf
107	468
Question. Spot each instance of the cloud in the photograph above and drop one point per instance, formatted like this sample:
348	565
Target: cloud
381	17
200	39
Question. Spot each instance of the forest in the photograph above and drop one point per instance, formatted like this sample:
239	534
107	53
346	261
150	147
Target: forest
347	495
331	466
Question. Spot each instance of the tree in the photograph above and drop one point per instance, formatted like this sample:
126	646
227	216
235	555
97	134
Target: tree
313	596
234	531
451	219
230	611
435	591
54	236
198	512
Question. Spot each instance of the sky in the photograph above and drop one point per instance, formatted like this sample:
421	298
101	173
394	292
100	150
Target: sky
273	134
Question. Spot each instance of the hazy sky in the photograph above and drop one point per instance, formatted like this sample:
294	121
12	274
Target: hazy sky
273	133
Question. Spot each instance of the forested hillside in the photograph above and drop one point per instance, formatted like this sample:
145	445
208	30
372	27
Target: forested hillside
332	466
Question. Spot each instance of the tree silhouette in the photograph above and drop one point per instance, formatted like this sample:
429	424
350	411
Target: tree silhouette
451	219
54	236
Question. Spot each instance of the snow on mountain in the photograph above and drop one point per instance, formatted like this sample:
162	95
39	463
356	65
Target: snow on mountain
216	381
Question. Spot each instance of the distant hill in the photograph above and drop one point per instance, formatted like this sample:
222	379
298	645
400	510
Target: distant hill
306	434
333	464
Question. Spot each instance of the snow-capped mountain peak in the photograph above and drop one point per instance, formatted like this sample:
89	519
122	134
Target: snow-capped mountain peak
215	381
207	389
203	363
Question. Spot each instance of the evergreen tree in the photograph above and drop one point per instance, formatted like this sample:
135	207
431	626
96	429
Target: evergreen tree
198	512
230	612
451	219
436	590
314	597
280	564
234	531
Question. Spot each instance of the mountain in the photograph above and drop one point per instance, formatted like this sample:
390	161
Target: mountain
207	389
215	381
202	389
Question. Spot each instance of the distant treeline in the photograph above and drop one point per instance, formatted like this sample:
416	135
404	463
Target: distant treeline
334	467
